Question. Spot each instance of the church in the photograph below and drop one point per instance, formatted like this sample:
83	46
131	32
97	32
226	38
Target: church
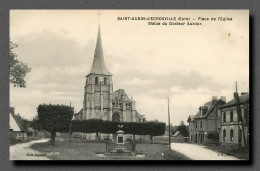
100	101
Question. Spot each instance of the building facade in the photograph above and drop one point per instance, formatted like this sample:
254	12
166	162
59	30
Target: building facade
231	126
206	124
100	101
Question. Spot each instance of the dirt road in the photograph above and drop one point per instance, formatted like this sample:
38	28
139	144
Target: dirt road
24	152
197	152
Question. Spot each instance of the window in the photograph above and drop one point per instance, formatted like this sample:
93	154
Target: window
116	117
196	124
231	116
224	135
200	124
231	135
105	81
224	117
96	80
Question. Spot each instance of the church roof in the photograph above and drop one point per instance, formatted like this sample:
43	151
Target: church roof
98	65
120	93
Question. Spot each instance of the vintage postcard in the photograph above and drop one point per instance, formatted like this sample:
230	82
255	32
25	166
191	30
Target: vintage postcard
129	85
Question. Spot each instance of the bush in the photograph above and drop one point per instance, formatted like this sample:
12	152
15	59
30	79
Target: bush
108	127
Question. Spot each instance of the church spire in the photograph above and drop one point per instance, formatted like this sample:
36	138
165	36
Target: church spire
98	65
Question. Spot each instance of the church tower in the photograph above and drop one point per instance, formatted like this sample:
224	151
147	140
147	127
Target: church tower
98	88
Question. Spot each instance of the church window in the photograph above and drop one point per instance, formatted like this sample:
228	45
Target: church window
96	80
116	117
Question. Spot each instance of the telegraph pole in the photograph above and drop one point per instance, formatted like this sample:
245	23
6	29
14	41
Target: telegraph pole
240	118
70	129
169	122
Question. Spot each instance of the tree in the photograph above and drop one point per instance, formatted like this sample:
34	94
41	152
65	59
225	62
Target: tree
35	124
183	129
18	69
55	118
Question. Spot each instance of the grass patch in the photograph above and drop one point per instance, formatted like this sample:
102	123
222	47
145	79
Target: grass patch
231	150
82	150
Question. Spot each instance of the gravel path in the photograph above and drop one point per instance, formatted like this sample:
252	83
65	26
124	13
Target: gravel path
24	152
198	152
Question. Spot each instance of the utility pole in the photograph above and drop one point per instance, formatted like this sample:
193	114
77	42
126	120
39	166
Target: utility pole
70	128
169	122
240	118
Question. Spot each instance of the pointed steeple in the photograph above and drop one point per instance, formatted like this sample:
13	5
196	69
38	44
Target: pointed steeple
98	65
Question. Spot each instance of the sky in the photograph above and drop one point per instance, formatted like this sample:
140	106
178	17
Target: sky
189	63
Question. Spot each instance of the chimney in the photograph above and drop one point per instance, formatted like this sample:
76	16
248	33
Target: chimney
244	93
214	98
223	98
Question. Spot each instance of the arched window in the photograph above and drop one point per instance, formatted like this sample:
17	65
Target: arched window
224	135
116	117
231	135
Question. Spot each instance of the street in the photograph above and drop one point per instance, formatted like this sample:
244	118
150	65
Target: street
198	152
24	152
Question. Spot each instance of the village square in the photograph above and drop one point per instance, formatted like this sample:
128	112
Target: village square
107	122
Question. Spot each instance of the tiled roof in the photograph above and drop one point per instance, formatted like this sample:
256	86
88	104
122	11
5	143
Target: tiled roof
118	93
197	115
242	99
211	107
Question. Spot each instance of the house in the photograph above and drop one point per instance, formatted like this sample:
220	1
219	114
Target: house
17	129
206	123
231	128
179	137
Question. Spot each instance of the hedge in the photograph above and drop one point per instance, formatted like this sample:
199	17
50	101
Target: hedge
98	125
